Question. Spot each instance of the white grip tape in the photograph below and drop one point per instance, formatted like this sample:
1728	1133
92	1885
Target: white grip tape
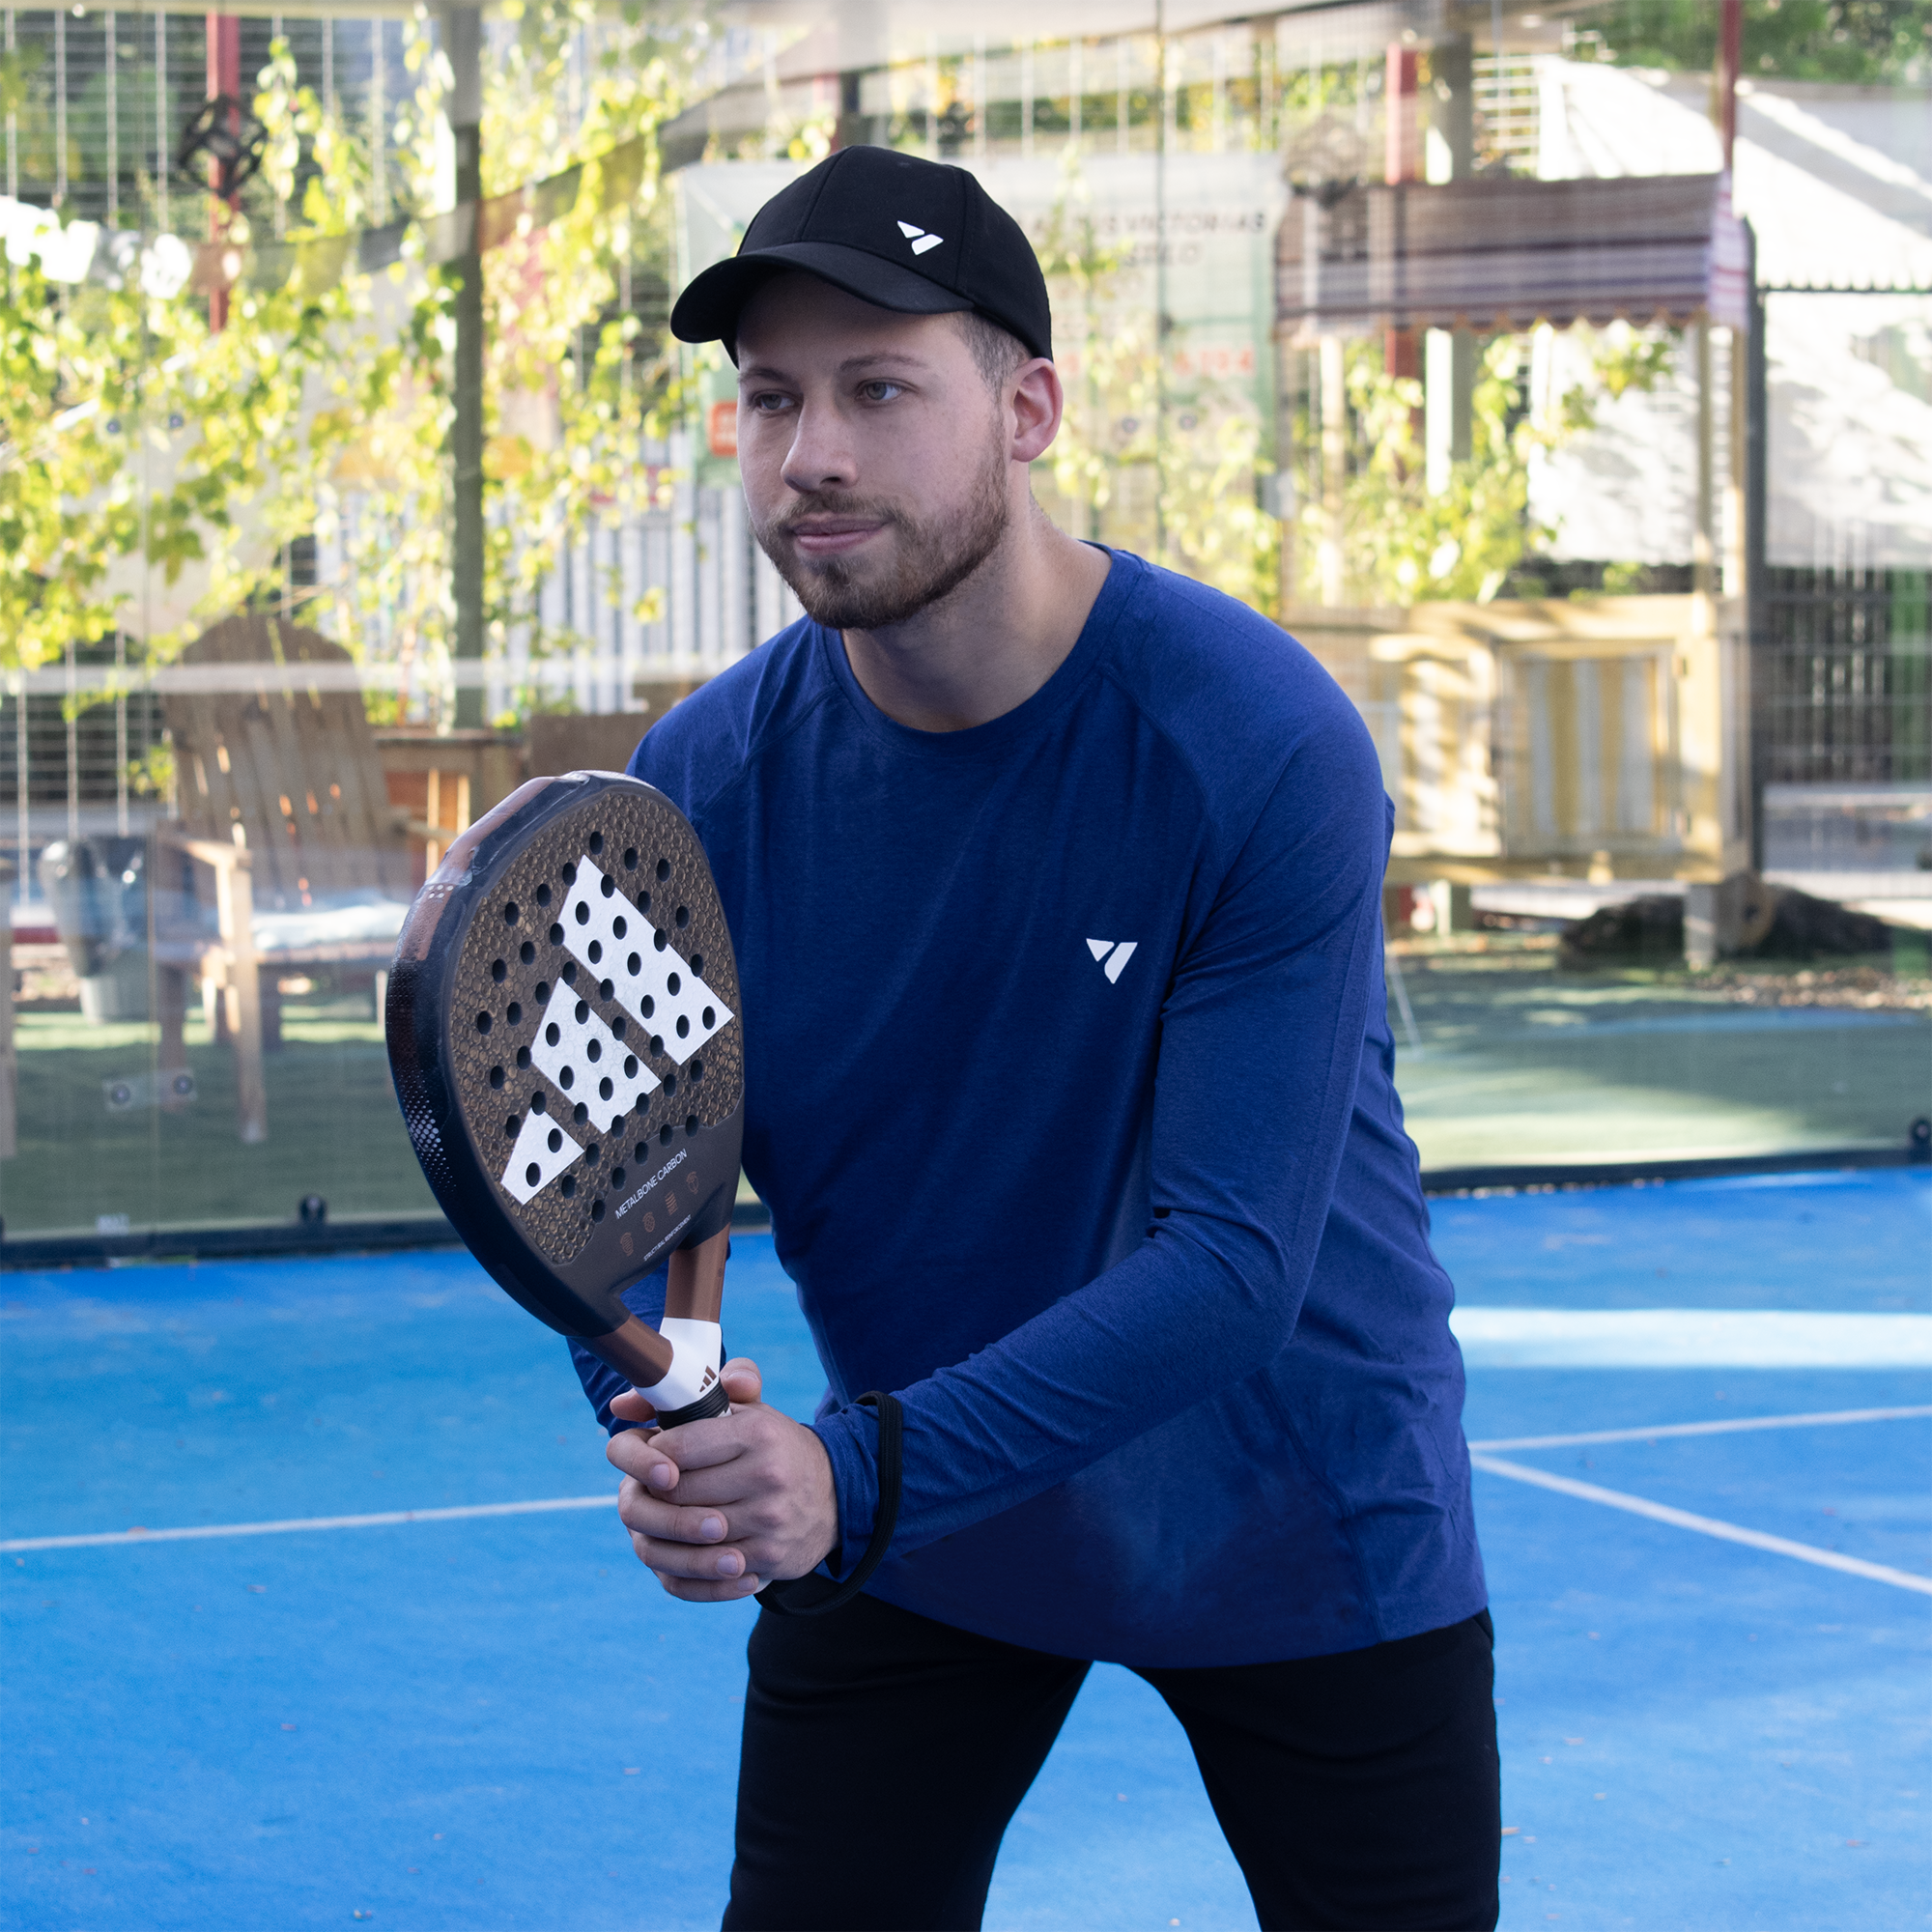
693	1368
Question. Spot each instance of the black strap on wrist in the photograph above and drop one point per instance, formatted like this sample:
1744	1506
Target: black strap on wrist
794	1599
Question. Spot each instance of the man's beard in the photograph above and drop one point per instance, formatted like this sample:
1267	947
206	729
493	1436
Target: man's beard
932	558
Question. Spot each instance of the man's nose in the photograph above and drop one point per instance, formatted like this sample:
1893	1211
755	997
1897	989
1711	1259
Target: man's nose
821	456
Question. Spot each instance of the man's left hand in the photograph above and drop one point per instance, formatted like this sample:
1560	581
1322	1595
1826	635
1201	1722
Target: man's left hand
719	1509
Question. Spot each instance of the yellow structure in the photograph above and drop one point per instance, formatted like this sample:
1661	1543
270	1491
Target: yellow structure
1598	738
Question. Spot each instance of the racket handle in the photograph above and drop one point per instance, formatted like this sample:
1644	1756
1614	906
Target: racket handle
693	1295
635	1351
694	1383
714	1402
695	1279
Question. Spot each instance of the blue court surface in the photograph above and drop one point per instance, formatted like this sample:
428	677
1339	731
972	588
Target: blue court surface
1714	1668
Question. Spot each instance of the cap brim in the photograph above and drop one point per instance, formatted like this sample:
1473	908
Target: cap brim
709	310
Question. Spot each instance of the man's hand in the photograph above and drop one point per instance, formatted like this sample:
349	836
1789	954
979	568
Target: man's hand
719	1509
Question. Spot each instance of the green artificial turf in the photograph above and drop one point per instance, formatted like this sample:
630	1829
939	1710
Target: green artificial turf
1524	1064
1521	1065
333	1130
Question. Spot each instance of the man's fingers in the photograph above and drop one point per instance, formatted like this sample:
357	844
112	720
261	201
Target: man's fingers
722	1438
686	1591
683	1561
637	1454
642	1514
630	1406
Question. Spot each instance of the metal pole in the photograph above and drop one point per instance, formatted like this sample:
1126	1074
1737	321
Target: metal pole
121	731
162	160
462	28
113	105
1703	548
1757	574
22	822
276	31
224	76
1730	52
379	124
60	105
70	709
12	160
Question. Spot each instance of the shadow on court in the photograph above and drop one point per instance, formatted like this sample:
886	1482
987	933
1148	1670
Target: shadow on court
496	1721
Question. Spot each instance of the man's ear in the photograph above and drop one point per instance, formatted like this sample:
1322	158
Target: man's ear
1035	405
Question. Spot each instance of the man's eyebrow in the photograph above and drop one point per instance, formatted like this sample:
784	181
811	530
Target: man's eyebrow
904	358
764	372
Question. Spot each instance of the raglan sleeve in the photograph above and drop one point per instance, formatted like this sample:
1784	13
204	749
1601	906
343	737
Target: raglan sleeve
1260	1043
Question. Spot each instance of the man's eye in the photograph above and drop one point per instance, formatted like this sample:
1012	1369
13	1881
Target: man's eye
878	392
768	404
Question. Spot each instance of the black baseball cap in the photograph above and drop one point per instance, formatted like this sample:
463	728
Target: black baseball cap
907	234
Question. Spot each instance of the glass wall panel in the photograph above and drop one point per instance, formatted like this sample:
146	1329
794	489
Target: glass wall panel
1629	610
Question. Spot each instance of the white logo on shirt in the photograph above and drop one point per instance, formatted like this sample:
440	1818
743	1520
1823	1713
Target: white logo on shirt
1113	958
921	240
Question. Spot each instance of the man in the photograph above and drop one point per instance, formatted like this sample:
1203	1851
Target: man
1054	881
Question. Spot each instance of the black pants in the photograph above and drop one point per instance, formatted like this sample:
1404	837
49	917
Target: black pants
885	1753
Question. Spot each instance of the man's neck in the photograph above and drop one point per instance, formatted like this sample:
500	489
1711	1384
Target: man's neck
988	647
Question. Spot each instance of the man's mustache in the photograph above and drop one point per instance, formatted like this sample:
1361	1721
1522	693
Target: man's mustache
833	506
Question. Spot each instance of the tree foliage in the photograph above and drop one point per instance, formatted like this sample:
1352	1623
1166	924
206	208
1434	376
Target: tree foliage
131	432
1404	543
1870	41
572	378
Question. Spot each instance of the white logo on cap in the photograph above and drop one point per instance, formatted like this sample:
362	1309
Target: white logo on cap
921	240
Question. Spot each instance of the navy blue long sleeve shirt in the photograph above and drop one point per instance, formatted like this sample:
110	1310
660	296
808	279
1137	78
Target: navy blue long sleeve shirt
1069	1088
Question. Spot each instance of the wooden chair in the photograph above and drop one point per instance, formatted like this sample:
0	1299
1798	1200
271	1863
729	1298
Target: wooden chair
286	854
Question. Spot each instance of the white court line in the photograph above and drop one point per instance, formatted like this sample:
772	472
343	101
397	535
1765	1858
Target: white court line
201	1533
1685	1338
1816	1420
1727	1532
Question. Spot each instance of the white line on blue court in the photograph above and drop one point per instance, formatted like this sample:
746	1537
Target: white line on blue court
1685	1338
204	1531
1663	1513
1704	1525
1817	1419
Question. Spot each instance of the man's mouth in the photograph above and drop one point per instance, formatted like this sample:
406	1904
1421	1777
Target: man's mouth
832	536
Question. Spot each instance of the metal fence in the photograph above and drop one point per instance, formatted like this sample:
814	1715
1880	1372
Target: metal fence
72	762
1842	672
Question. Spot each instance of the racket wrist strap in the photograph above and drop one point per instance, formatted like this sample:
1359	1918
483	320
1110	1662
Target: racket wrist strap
792	1599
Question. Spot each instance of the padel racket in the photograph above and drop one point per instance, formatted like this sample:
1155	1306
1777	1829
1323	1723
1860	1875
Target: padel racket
564	1036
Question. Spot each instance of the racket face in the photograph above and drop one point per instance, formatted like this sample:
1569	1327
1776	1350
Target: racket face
564	1036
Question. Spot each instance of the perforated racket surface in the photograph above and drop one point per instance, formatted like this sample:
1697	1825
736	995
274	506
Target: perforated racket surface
564	1031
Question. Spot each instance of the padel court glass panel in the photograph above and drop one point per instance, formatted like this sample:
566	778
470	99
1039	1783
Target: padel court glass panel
211	849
